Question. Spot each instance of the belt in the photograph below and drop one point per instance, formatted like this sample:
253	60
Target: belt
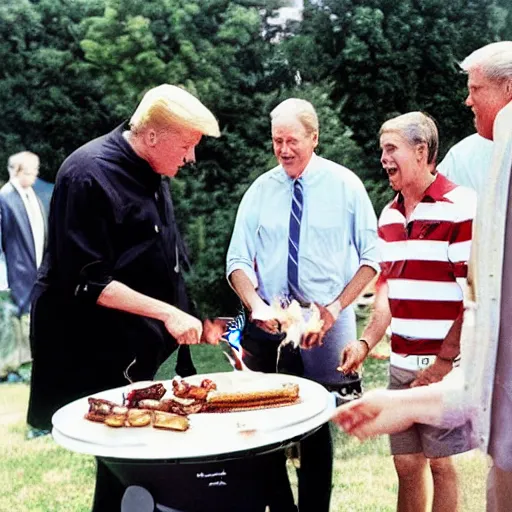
411	362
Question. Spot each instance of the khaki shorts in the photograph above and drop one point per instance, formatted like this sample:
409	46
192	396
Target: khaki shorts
433	442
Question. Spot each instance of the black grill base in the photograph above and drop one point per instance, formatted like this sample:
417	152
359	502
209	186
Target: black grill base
238	485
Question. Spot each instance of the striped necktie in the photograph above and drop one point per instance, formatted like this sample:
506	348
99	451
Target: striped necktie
293	240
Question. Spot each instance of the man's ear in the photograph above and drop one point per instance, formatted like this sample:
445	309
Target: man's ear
509	90
315	139
151	137
421	151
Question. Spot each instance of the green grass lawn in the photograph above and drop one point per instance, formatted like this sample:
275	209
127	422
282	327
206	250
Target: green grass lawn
40	476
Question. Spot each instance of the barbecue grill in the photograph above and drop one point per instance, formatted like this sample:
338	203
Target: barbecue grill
219	464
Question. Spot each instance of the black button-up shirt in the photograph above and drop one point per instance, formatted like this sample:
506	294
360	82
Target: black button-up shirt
111	218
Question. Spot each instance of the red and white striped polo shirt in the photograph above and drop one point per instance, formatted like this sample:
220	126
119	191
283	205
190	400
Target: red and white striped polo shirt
424	262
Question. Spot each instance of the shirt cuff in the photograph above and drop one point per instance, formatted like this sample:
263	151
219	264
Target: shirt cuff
455	408
247	268
369	263
93	279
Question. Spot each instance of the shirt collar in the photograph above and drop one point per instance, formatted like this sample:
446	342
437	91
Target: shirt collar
314	163
21	191
435	192
138	167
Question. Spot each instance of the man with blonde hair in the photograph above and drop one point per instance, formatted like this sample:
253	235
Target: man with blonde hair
23	231
110	303
481	389
305	231
425	236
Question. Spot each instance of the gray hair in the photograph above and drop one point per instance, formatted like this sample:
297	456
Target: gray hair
495	60
296	108
19	161
416	128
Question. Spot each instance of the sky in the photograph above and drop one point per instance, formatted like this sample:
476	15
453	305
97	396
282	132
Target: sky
293	12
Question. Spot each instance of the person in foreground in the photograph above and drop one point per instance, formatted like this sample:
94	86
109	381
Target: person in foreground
110	304
296	229
425	237
480	388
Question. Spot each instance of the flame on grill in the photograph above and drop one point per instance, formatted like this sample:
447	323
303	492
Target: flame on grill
297	321
294	320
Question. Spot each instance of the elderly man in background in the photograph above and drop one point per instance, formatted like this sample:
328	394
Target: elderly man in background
296	232
481	388
23	232
425	235
110	298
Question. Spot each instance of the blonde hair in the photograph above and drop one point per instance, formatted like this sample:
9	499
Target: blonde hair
19	161
301	110
416	128
168	106
495	60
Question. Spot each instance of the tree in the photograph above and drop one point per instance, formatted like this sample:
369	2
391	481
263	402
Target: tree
387	57
49	105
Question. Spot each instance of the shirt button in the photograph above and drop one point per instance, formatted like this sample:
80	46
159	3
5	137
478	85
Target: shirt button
157	229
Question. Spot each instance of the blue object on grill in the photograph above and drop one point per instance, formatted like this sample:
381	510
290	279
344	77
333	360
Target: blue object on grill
234	331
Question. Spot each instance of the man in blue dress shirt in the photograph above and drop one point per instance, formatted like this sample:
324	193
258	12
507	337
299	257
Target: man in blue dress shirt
337	257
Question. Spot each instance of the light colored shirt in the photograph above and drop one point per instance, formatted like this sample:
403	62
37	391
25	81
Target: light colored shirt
337	220
468	162
471	393
35	217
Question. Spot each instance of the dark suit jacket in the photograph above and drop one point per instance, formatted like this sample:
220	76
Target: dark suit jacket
18	246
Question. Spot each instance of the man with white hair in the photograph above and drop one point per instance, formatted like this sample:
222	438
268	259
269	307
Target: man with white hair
481	390
305	230
23	232
110	300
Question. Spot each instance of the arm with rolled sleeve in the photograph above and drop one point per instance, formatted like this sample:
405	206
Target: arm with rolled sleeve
84	220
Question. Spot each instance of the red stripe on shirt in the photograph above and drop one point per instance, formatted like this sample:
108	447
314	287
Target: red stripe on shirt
425	309
462	231
440	271
460	269
428	230
418	347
